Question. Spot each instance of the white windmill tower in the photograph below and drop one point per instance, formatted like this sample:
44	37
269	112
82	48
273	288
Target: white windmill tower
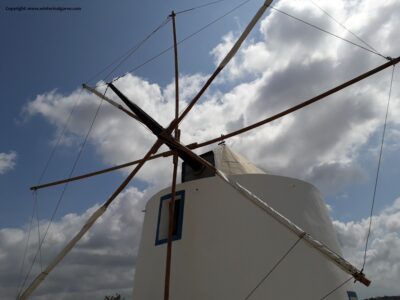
226	246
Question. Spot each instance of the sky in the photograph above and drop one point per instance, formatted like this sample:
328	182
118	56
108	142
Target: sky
45	116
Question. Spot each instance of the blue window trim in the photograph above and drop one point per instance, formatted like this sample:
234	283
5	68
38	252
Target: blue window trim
352	295
178	235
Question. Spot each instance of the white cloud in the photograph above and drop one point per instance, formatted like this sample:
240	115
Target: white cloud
7	161
383	256
103	260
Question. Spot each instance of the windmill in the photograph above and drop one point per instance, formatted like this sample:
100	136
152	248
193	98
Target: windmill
170	136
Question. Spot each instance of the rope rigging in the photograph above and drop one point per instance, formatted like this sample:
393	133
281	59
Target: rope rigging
344	27
60	136
131	51
371	212
20	284
121	59
198	7
378	169
329	33
291	248
38	229
34	194
137	47
183	40
336	288
154	57
38	252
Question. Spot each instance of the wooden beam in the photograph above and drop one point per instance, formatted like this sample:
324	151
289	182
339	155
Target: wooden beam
171	206
93	218
112	102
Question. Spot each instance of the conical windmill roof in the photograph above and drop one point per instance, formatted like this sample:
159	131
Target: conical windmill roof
233	163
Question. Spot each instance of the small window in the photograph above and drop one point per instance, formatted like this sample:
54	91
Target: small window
189	174
352	295
163	218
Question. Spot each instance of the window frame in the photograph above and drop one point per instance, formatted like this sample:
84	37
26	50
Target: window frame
164	200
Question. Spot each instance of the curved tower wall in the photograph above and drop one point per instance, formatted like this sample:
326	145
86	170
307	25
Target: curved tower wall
227	244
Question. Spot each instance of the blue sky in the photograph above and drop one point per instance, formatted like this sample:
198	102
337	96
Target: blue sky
46	56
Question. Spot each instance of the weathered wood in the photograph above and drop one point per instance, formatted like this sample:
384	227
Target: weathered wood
171	206
113	103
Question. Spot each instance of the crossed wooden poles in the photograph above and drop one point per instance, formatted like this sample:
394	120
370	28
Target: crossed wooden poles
164	137
177	149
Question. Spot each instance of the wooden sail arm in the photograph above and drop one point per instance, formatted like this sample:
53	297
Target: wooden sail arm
156	128
112	102
140	113
93	218
223	63
312	242
42	276
99	172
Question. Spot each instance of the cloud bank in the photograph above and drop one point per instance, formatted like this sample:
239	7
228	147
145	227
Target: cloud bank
383	256
103	262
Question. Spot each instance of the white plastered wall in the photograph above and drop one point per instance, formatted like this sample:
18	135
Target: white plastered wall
228	244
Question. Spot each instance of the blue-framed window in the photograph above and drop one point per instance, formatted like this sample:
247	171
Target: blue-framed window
163	218
352	295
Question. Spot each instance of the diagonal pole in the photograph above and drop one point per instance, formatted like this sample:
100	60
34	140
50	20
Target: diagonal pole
171	206
171	211
93	218
226	59
113	103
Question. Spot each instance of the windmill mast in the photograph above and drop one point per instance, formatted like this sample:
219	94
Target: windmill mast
175	169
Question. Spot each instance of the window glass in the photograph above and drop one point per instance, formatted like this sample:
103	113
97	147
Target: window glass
163	218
